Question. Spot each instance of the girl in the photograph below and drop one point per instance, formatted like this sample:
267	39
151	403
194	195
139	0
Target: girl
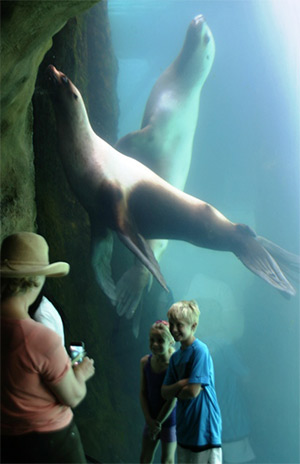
160	415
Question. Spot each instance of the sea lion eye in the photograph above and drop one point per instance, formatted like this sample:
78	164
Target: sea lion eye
65	79
75	96
206	39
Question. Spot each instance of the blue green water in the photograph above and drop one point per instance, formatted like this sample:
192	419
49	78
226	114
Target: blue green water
246	162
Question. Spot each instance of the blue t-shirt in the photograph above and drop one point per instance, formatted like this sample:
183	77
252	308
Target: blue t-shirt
198	419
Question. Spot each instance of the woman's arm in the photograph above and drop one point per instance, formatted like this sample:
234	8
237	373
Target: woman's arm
71	389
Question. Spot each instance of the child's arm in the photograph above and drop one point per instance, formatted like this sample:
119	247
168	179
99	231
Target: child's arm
168	392
153	424
143	390
166	410
189	391
163	415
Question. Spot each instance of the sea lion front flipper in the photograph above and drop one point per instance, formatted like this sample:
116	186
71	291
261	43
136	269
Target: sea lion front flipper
133	142
136	322
256	258
130	289
101	251
139	246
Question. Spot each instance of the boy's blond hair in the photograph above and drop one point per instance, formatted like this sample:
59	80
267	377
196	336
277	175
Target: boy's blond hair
186	310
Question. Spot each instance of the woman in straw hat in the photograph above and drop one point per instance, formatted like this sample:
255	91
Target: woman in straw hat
39	386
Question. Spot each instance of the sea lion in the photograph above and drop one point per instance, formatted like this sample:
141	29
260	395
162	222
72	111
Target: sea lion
121	194
164	142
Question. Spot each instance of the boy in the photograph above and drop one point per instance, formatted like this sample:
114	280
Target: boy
190	378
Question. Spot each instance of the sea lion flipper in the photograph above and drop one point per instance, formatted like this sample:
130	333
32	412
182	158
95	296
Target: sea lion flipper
139	246
288	262
101	261
130	289
133	143
256	258
137	320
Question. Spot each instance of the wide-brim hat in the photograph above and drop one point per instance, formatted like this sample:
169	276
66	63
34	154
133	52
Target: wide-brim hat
27	254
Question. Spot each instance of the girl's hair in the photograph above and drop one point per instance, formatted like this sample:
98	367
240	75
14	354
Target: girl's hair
186	310
163	327
15	286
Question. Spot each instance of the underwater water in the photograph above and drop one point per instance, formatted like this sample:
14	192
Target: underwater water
245	162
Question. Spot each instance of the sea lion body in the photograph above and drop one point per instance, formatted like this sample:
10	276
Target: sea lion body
164	142
122	195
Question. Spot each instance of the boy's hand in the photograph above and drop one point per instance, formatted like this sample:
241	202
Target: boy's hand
183	382
172	391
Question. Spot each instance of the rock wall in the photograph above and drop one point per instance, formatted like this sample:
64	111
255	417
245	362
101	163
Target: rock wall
35	196
26	33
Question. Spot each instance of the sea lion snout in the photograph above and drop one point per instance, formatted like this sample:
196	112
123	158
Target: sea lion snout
199	35
56	76
61	87
198	19
52	73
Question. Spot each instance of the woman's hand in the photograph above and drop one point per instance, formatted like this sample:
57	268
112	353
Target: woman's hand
71	389
85	370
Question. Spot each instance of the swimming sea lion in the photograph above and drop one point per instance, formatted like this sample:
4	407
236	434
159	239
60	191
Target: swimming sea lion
165	141
120	194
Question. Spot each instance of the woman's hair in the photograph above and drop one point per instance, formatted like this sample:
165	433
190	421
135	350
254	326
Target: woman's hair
163	327
15	286
186	310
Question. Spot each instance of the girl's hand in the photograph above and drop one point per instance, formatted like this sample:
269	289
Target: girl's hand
155	430
85	369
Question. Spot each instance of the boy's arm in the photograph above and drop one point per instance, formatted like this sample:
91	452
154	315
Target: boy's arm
169	392
198	374
189	391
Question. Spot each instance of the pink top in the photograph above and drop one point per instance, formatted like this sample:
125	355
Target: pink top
32	356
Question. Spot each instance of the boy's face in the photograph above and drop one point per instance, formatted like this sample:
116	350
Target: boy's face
181	330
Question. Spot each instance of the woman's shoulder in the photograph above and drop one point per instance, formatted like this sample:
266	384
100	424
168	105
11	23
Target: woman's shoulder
42	337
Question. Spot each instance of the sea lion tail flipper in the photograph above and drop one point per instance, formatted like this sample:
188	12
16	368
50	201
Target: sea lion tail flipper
101	261
130	289
256	258
288	262
139	246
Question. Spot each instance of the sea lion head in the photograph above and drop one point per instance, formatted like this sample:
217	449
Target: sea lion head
198	50
67	100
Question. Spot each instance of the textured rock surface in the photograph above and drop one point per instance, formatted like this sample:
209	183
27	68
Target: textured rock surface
35	195
26	34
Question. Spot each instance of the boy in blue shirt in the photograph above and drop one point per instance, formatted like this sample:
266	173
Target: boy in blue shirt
190	378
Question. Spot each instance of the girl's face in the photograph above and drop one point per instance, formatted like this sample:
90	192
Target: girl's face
158	343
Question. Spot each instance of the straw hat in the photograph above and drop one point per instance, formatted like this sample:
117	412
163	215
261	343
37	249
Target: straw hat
27	254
